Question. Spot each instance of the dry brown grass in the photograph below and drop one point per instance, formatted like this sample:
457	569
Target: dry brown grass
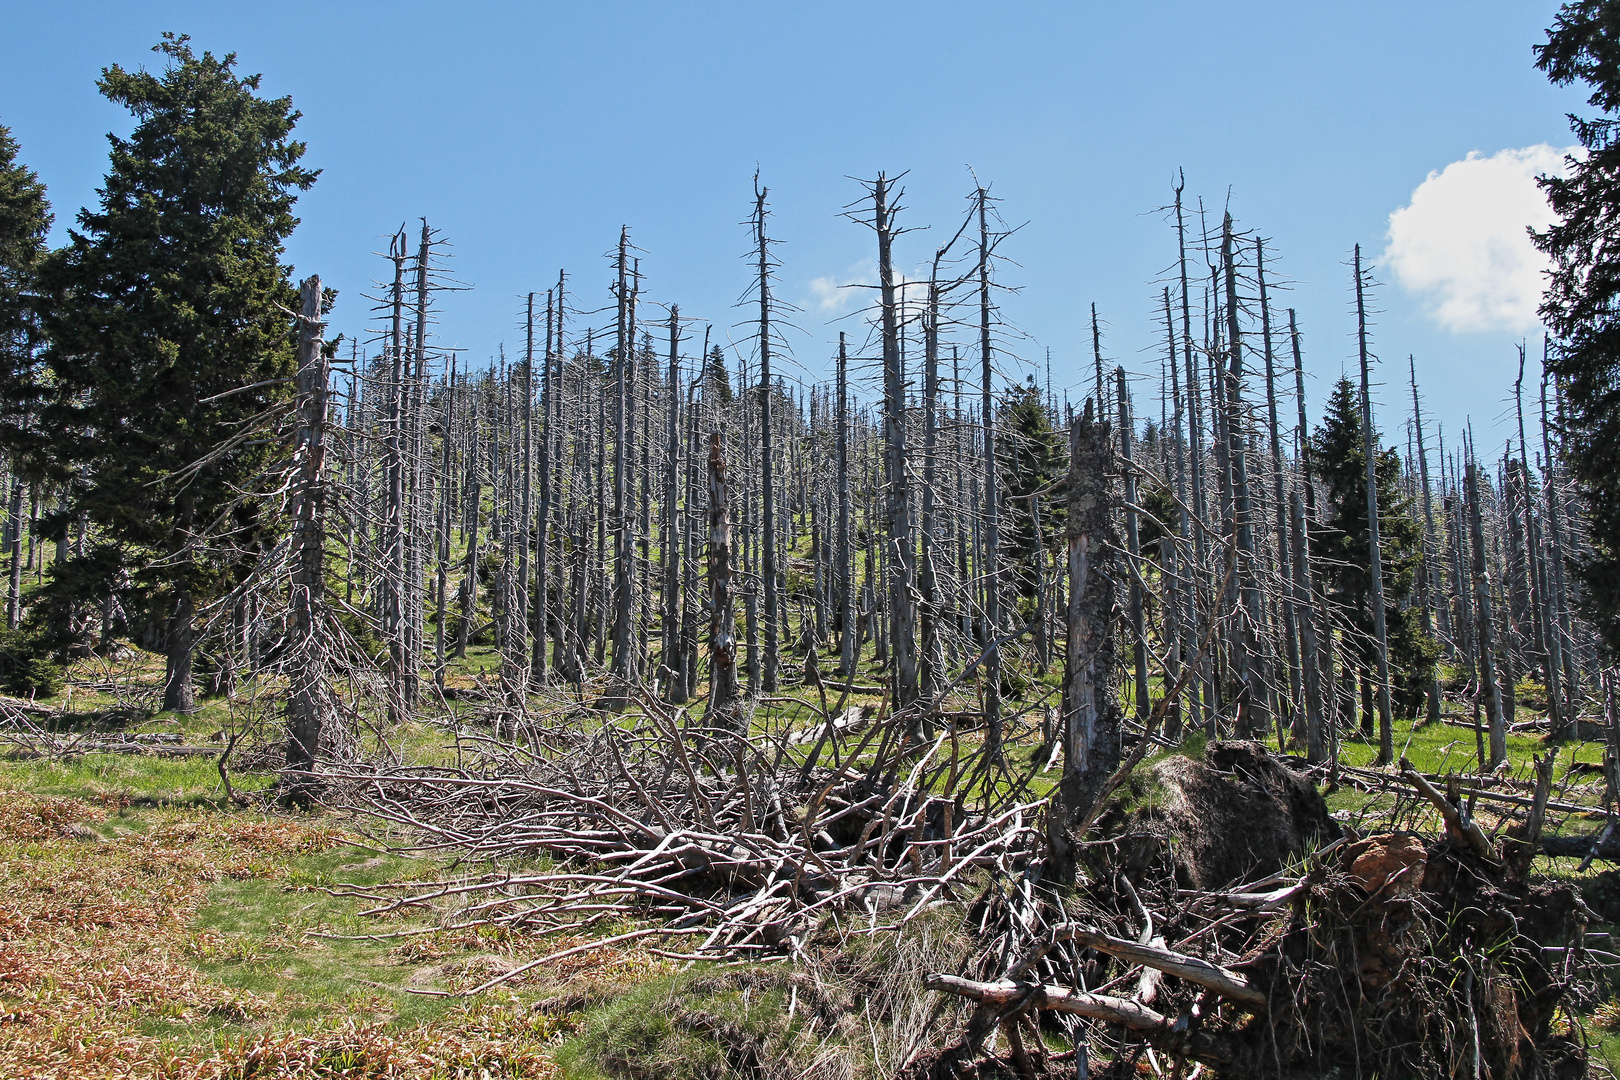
97	951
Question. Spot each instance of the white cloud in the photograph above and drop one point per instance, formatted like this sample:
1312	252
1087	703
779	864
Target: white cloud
1460	242
830	295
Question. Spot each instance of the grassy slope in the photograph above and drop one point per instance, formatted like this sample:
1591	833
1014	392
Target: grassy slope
155	929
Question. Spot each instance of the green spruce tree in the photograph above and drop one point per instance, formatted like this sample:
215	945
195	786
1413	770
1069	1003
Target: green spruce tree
170	294
1340	462
716	379
25	219
1031	456
1582	303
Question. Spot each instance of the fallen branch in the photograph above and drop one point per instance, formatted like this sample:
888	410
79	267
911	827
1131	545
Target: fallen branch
1213	977
1172	1036
1460	825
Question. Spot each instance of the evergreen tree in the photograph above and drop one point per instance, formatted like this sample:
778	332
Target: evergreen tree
716	379
1031	455
1339	460
1582	303
25	218
170	294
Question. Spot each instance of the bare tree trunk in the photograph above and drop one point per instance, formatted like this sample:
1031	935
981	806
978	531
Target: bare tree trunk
1386	721
1202	699
1290	621
902	550
306	668
392	585
768	568
1133	547
1560	628
1316	742
1428	582
1091	712
990	543
722	606
1253	700
1492	693
442	548
622	674
550	355
14	537
848	631
669	515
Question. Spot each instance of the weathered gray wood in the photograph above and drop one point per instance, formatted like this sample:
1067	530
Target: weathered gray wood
1254	712
1223	981
902	546
306	665
990	540
1489	688
1386	720
1133	547
769	570
1090	703
722	605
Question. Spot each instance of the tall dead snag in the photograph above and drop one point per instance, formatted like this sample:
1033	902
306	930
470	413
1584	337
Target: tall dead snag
1091	712
391	589
932	661
1559	630
542	548
1316	748
1255	689
848	635
1290	633
623	674
670	521
1386	721
306	664
1195	513
1490	690
897	482
1134	548
1429	579
722	604
767	477
990	541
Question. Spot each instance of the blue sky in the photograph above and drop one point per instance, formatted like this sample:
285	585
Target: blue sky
529	133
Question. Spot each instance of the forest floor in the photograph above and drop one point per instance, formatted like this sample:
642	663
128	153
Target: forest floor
150	927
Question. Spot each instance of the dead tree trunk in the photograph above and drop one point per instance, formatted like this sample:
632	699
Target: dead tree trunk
671	551
902	550
1386	721
722	605
1253	697
1133	548
1489	689
990	543
1290	629
1316	743
306	662
1091	712
767	479
392	585
1429	580
622	675
14	536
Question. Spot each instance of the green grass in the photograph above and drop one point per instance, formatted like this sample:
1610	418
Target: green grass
255	939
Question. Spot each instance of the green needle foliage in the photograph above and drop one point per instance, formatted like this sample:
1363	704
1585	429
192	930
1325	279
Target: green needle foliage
1339	458
1031	455
1582	303
25	218
171	293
